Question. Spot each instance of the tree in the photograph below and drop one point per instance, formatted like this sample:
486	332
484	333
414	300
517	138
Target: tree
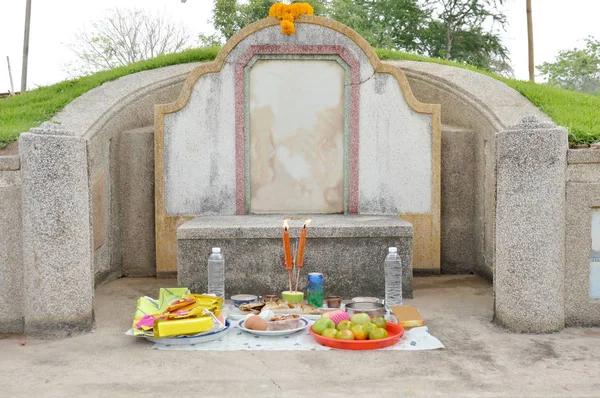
225	17
125	36
393	24
213	40
465	15
354	15
474	47
576	69
466	31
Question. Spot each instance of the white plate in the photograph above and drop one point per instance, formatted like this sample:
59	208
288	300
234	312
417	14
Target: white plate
196	339
305	324
235	314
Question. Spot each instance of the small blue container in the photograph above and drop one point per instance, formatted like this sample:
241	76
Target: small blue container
315	289
240	299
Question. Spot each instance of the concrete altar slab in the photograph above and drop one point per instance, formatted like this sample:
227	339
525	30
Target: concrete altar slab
348	250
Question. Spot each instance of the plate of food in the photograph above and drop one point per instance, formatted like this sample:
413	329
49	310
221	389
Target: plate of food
279	307
278	325
360	336
195	339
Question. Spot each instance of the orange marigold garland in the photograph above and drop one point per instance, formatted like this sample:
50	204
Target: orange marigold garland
287	27
288	13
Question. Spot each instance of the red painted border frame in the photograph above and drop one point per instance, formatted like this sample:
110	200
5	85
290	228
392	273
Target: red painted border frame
240	109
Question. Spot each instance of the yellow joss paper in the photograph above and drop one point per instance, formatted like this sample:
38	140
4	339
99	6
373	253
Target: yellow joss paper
149	306
211	303
182	327
192	313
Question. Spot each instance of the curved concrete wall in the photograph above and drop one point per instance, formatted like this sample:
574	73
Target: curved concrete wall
117	120
474	108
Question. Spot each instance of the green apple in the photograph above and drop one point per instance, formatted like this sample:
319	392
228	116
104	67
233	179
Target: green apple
321	324
345	335
380	322
378	334
344	325
360	332
360	319
369	327
330	332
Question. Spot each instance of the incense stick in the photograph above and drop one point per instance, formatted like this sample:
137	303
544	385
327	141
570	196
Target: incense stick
298	272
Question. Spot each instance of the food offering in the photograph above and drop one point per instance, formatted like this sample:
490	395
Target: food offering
284	322
274	322
255	322
333	301
270	324
281	307
252	308
358	332
240	299
178	313
337	316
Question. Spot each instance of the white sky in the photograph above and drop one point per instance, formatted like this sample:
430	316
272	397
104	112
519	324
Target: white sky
558	24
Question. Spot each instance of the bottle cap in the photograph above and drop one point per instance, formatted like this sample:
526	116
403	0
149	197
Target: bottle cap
216	250
393	250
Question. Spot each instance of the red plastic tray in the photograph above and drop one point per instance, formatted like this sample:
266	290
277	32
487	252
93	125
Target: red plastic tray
394	330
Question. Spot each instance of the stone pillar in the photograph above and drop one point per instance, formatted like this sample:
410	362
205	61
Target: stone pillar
11	242
530	227
57	251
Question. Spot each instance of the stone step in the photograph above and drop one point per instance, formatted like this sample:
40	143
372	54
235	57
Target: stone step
348	249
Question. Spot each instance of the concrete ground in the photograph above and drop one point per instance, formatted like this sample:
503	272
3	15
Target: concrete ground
481	360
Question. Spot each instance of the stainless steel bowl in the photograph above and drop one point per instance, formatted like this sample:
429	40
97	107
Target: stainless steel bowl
372	309
366	300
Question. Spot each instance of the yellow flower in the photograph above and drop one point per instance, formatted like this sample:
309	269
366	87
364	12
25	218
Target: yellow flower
294	9
276	10
280	10
287	27
288	13
306	9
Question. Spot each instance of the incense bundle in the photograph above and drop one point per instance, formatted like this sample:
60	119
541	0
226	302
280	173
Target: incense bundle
293	267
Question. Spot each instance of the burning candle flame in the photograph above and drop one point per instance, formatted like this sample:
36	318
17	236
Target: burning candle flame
306	223
286	226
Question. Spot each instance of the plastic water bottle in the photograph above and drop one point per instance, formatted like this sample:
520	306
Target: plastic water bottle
216	273
393	278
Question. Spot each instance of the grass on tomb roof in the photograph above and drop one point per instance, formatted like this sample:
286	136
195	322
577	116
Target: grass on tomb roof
579	112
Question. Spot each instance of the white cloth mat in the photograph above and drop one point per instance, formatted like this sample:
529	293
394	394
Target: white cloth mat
238	340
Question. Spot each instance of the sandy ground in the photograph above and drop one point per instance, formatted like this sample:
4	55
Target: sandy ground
481	360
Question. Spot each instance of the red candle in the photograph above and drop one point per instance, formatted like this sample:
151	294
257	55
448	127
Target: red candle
302	244
287	247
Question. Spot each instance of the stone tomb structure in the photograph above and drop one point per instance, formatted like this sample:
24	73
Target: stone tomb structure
310	123
78	200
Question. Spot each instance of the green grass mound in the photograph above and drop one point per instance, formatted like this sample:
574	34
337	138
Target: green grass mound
579	112
20	113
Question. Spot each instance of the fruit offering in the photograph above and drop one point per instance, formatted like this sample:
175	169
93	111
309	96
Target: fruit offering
358	327
337	316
